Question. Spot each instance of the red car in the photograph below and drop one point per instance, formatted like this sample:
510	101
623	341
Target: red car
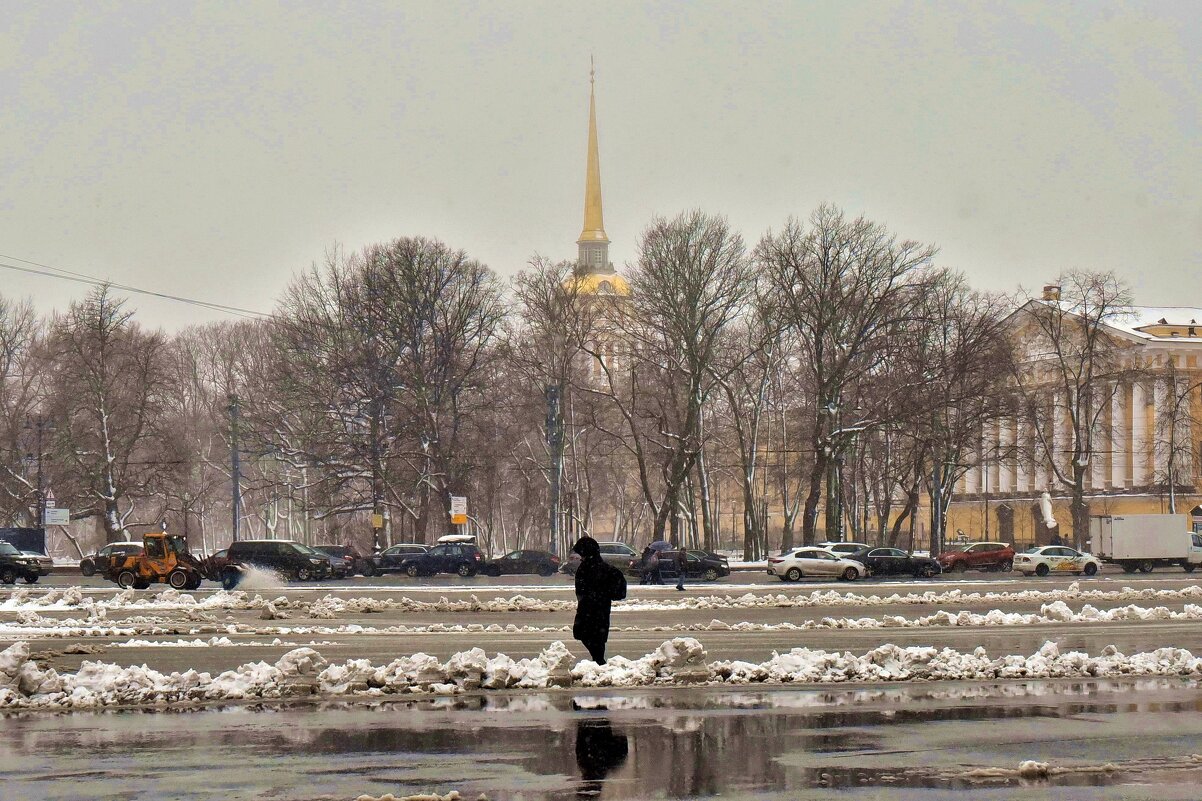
994	556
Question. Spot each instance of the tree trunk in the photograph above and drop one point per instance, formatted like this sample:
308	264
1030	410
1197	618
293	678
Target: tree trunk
810	516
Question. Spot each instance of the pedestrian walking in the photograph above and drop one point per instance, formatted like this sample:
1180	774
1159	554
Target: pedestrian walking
682	564
645	565
597	586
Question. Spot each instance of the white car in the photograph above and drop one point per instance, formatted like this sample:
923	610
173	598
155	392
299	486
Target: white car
813	561
1044	559
841	548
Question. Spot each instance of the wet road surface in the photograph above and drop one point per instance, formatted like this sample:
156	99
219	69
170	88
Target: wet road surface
1104	740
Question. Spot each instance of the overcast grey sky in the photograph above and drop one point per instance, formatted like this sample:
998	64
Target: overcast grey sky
214	149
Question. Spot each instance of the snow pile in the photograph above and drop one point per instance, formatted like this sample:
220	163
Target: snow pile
329	606
304	671
453	795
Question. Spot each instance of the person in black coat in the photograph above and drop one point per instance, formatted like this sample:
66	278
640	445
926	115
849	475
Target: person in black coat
597	586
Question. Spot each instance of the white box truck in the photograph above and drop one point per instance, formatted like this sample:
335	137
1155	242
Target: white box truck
1144	542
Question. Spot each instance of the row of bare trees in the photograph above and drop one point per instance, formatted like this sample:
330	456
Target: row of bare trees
820	383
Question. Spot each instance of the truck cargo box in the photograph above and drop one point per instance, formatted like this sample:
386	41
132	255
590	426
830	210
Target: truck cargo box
1145	541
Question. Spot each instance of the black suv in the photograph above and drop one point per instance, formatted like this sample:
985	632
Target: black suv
14	563
90	564
451	557
289	559
390	560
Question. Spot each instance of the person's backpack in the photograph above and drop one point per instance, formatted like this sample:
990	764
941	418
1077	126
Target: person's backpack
653	561
617	590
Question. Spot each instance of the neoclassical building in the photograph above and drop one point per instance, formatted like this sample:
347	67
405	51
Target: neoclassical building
1147	441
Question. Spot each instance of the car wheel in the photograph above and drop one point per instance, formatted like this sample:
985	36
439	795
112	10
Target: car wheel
851	574
30	579
493	571
1090	568
1128	567
302	574
710	574
926	571
87	568
1146	566
1188	566
367	569
411	571
959	567
178	579
193	583
1041	570
126	579
230	579
793	574
546	571
1006	567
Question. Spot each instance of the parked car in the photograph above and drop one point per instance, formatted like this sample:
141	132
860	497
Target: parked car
895	562
340	568
285	557
1044	559
90	564
618	554
354	563
814	561
461	558
390	560
698	565
16	564
842	548
977	556
544	563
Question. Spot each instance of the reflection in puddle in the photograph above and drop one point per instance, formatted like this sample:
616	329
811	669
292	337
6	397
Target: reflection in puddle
649	743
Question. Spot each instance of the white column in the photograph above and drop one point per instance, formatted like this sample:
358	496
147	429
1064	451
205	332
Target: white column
1021	454
1005	464
1160	408
1139	434
1120	441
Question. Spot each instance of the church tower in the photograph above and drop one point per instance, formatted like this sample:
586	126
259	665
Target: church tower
593	244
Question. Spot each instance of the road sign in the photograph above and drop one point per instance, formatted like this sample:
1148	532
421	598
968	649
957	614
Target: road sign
49	501
458	509
55	516
377	521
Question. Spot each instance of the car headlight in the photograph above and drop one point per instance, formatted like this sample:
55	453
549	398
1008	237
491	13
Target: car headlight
318	561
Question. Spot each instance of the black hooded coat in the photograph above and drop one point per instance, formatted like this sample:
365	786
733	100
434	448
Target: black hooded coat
597	585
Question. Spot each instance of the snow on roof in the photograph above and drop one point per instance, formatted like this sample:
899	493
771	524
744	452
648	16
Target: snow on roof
1138	318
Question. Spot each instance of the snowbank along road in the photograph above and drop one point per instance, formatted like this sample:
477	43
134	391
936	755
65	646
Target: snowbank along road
71	646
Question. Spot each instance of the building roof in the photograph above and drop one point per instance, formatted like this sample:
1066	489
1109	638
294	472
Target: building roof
1161	323
602	284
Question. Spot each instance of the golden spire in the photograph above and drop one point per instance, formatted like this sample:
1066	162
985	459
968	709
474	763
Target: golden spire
594	225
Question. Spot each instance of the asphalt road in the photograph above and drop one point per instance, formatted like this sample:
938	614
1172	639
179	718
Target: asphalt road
637	630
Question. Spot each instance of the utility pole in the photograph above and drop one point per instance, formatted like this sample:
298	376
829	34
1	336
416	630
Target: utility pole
235	469
555	443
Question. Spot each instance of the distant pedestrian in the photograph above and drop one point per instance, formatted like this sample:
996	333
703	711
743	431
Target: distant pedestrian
682	564
645	565
597	585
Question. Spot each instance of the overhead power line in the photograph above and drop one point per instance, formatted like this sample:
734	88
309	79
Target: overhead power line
81	278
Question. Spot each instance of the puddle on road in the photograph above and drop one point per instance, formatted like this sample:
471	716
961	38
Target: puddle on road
924	741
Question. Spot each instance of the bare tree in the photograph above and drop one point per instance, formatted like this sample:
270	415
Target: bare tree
1069	363
847	289
20	395
692	279
958	340
108	384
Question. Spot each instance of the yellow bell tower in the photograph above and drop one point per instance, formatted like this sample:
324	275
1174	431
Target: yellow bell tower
593	244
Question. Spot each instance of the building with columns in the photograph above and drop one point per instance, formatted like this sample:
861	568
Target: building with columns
1147	439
